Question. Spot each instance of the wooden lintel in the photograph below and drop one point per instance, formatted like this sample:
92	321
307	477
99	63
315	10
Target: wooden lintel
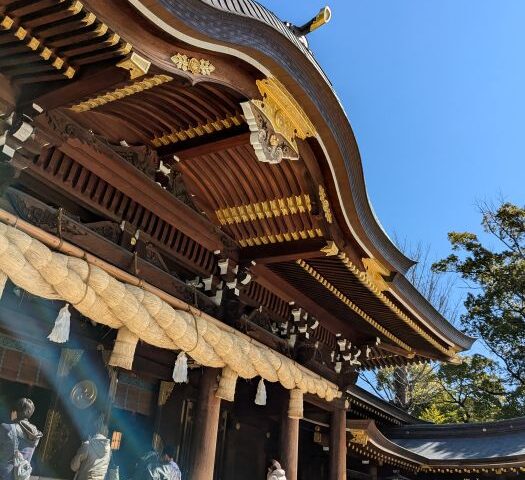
335	404
284	252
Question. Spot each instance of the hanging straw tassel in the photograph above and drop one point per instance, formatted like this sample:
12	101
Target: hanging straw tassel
180	372
227	384
60	332
295	407
124	349
260	397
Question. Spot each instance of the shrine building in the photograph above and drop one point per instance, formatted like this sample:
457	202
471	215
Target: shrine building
188	252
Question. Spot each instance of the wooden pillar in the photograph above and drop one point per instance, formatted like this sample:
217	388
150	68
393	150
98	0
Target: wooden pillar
373	472
338	445
290	445
207	425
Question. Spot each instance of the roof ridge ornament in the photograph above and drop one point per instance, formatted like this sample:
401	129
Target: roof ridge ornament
275	122
322	18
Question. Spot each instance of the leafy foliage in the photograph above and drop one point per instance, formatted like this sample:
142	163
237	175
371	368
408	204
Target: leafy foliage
495	307
470	392
479	389
411	387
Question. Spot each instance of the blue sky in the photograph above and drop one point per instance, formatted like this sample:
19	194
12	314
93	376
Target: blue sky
435	93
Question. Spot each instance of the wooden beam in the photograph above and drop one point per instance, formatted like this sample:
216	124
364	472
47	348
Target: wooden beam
335	404
275	253
84	87
207	426
212	147
338	445
200	144
99	159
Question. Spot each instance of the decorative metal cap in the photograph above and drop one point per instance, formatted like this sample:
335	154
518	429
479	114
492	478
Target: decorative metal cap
323	17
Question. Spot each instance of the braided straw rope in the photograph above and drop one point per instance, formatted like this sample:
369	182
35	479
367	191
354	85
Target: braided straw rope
140	314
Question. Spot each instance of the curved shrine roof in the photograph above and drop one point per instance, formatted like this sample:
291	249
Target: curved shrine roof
485	448
253	10
493	440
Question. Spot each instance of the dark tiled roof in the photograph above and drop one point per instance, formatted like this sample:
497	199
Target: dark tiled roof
462	442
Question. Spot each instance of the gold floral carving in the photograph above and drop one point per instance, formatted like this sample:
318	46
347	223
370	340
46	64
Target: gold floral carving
376	273
268	209
137	65
286	115
121	93
198	131
193	65
359	436
325	204
269	145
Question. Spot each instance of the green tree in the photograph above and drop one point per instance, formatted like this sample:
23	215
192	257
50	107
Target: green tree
470	392
412	387
432	414
495	273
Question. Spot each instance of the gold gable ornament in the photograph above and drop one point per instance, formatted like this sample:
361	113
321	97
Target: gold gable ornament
275	122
